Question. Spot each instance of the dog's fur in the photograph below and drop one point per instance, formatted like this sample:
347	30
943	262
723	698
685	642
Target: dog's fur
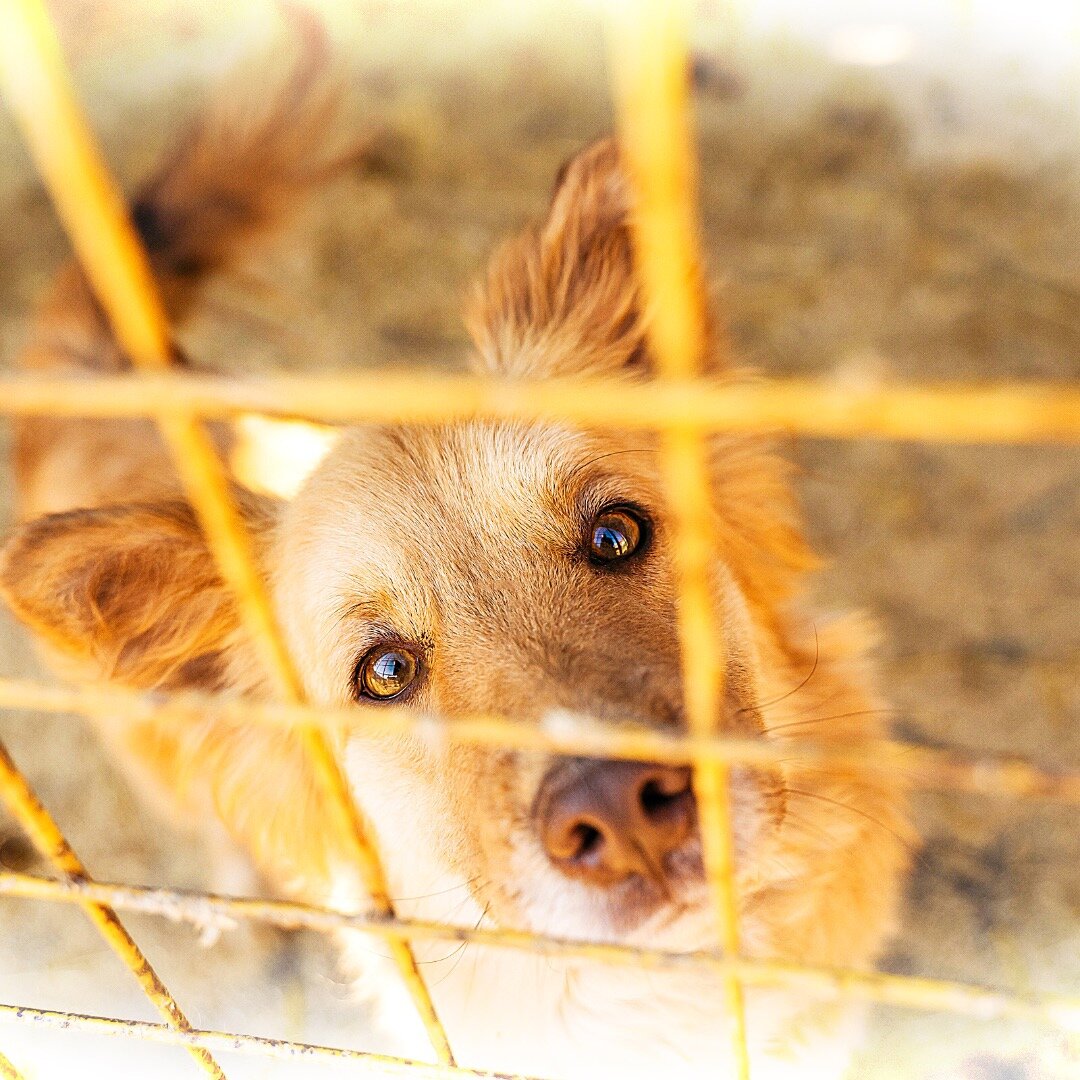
465	539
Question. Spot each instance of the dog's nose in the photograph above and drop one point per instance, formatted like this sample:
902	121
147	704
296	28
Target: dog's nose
615	819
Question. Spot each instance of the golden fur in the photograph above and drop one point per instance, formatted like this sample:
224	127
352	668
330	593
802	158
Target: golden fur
462	540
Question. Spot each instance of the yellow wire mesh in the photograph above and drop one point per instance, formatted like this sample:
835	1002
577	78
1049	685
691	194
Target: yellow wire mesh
649	64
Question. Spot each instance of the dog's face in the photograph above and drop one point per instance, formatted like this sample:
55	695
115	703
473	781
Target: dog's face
517	571
486	568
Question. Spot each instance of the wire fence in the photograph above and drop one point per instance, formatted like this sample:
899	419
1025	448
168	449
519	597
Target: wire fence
649	64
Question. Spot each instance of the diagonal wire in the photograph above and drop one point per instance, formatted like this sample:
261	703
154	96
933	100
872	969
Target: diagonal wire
50	841
8	1071
39	93
650	70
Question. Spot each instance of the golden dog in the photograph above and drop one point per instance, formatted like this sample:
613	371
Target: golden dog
520	569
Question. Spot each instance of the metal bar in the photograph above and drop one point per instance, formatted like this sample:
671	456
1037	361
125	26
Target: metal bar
49	840
1006	413
931	768
650	79
36	84
231	1042
915	992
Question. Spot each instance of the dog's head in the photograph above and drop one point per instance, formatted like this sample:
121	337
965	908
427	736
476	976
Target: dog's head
508	569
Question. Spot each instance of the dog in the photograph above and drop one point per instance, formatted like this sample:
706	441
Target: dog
478	567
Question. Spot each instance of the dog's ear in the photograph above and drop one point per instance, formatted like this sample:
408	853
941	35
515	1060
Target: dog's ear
563	297
128	593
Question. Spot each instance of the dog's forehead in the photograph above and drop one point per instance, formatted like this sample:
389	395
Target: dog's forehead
389	497
481	471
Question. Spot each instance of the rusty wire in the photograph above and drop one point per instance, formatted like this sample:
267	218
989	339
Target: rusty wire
204	910
649	62
235	1043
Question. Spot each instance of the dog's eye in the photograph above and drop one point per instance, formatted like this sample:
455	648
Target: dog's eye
617	533
386	672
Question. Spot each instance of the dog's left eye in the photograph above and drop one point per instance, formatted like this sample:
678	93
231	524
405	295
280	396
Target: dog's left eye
616	533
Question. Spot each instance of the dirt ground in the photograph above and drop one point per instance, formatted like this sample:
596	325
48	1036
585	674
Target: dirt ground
853	232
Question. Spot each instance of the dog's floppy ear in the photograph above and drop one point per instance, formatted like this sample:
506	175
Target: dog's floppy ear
563	297
129	593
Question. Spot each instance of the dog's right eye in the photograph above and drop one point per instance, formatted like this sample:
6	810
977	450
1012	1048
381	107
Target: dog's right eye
386	672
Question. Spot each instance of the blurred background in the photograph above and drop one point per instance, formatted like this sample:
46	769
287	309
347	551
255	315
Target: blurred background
889	192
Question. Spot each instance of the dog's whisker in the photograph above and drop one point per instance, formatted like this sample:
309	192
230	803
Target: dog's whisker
461	950
439	892
839	803
783	697
831	717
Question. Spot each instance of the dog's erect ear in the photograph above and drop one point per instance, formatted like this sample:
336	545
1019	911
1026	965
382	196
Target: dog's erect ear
563	298
129	593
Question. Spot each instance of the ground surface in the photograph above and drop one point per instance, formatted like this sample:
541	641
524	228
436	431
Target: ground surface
845	243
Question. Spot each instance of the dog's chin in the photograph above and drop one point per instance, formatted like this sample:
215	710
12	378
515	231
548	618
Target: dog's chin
684	922
674	914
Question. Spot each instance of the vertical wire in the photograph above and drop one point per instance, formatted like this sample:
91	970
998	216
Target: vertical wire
650	77
36	84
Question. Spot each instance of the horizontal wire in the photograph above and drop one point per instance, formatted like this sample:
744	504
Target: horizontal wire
907	991
234	1042
921	766
1007	413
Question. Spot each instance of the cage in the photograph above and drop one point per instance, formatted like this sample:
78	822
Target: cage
888	194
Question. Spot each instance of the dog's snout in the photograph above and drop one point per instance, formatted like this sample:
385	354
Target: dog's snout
616	819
